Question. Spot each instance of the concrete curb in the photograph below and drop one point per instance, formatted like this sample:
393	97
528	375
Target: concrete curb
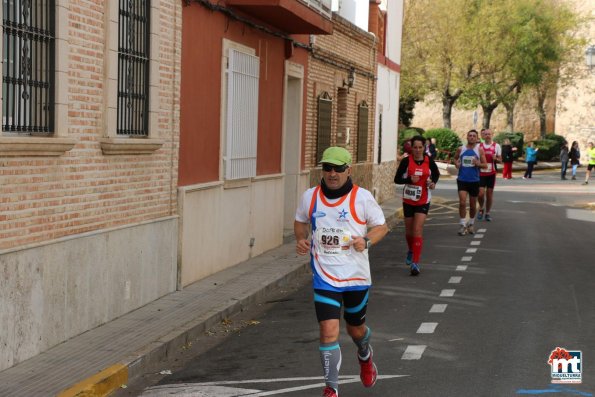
134	365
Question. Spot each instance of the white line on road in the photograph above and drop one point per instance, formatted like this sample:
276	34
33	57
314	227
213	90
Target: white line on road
438	308
482	231
448	292
455	280
396	339
413	352
461	268
471	250
427	328
217	388
466	259
478	235
475	242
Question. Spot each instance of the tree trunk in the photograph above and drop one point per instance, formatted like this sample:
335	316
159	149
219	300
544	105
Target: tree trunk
509	117
487	114
542	114
446	113
448	102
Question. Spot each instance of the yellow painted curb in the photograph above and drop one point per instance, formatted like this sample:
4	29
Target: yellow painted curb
100	384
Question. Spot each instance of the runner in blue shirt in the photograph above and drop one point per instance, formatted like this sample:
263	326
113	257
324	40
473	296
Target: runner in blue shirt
469	159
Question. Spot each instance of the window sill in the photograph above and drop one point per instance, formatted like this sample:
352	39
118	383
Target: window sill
124	146
34	146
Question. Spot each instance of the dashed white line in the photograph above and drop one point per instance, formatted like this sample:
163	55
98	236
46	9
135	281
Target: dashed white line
461	268
476	235
466	259
471	250
427	328
438	308
447	292
475	242
413	352
455	280
482	230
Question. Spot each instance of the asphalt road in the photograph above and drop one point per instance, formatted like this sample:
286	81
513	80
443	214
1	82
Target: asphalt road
480	320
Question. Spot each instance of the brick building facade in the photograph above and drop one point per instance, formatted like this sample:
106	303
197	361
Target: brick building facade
348	51
88	224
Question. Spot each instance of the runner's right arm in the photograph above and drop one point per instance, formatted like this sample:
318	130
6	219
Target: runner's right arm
400	178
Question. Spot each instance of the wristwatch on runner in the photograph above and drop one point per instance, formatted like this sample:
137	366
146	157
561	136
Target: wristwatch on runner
368	242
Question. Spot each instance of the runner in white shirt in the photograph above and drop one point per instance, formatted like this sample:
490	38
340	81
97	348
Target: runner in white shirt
346	221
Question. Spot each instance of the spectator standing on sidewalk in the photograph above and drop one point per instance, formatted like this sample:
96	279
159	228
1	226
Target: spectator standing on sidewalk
530	159
564	156
487	176
575	158
346	221
507	158
591	154
469	159
431	150
419	173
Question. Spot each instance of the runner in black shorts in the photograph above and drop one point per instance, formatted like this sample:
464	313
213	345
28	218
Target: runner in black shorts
469	159
419	174
472	188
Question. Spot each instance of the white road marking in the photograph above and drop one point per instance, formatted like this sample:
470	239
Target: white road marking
482	230
466	259
427	328
580	215
438	308
448	292
455	280
214	389
471	250
475	242
396	339
476	235
461	268
413	352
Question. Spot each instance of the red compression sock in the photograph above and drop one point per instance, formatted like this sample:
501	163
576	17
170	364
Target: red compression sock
417	245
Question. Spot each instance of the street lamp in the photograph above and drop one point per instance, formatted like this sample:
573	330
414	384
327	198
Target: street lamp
590	57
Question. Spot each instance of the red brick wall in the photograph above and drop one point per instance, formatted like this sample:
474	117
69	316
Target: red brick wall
328	64
44	198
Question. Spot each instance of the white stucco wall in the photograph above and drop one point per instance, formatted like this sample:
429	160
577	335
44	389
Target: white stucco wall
218	221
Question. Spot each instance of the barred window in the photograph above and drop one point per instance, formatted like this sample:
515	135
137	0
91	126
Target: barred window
28	35
362	132
325	113
133	67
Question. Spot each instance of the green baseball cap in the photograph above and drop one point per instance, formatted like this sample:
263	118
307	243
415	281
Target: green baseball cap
336	155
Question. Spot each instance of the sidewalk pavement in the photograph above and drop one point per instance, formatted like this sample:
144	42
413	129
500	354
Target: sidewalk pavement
99	361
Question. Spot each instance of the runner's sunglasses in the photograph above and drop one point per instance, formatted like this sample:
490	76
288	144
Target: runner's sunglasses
337	168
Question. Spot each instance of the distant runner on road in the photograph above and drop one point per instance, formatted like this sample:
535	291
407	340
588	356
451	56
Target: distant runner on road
469	159
591	154
419	173
346	221
487	176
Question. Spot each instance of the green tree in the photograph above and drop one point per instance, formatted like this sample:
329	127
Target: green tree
439	50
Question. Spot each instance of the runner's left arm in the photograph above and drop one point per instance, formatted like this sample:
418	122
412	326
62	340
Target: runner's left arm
435	172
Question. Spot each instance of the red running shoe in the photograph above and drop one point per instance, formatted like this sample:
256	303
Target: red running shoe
368	371
329	392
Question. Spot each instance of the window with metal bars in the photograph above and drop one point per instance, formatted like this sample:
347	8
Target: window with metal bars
28	30
325	113
362	132
133	67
